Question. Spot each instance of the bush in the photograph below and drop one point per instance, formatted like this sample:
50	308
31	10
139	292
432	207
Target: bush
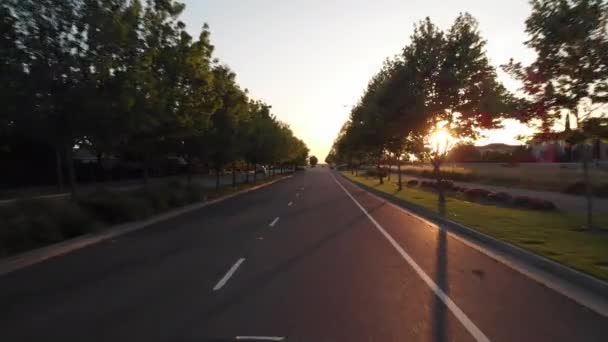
476	194
578	188
427	184
533	203
501	197
116	208
412	183
447	185
193	193
376	173
156	197
34	223
454	176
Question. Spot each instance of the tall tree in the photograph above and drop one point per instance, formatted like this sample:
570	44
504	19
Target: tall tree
458	87
570	73
222	136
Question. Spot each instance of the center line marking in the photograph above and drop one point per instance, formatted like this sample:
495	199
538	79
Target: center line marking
460	315
289	204
226	277
261	338
274	222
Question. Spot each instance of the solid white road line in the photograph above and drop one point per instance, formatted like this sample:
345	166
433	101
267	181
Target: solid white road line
289	204
226	277
260	338
580	296
460	315
274	222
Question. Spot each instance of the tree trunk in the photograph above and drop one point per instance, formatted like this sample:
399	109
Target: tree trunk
588	188
388	174
379	170
59	168
102	170
439	184
233	175
69	159
146	169
189	172
247	173
399	181
217	180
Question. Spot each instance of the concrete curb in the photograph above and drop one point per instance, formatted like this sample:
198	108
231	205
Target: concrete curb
585	281
35	256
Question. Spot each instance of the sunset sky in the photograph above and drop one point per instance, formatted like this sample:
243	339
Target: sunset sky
311	59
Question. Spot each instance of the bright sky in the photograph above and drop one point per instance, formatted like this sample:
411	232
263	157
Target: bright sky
311	59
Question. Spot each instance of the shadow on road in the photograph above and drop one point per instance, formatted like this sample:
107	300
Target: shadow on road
439	308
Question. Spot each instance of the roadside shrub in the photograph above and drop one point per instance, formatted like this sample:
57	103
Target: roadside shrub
156	197
533	203
33	223
476	193
193	193
447	184
412	183
376	173
501	197
116	208
602	190
427	184
578	188
454	176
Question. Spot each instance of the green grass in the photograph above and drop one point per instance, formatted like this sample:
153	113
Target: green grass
535	176
555	235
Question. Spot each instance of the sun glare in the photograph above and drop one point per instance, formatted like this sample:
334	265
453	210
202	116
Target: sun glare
441	140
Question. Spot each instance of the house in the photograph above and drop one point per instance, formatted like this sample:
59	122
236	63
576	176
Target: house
497	147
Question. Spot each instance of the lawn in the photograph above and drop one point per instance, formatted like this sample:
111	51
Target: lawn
535	176
555	235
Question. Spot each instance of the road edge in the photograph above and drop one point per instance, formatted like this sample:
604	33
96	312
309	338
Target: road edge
565	273
35	256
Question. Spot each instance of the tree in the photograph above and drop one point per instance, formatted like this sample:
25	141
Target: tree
464	153
570	73
223	134
50	45
125	79
456	84
313	161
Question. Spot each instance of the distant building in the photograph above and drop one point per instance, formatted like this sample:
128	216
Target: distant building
502	148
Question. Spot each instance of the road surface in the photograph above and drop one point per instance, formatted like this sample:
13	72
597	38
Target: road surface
311	258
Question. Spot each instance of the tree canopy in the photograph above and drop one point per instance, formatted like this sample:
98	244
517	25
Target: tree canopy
124	78
442	80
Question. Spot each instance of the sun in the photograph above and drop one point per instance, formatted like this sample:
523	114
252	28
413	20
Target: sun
440	140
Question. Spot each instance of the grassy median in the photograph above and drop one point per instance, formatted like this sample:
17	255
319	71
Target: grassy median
32	223
555	235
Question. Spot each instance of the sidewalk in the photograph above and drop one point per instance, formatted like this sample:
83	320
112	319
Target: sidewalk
565	202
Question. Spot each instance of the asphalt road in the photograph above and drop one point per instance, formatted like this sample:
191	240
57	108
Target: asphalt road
324	271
